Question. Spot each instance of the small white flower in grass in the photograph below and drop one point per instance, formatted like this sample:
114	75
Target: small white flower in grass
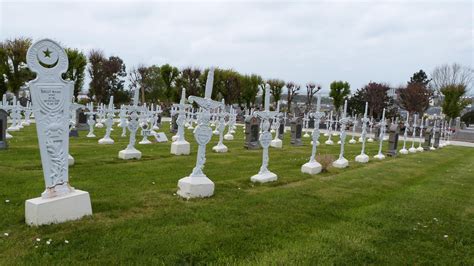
38	239
7	201
65	241
445	236
36	246
6	234
153	183
48	242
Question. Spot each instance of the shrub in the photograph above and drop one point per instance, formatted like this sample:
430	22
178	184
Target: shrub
325	160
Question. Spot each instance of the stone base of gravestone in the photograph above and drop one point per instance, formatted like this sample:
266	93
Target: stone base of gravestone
311	168
106	141
264	178
229	137
145	142
74	133
128	154
403	151
379	156
276	143
70	160
220	148
329	142
195	187
180	148
73	206
174	138
341	163
362	158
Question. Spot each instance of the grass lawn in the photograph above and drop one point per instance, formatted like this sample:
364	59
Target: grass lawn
413	209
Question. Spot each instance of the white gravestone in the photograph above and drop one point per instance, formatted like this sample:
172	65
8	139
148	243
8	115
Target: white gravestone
405	135
198	185
383	123
220	147
264	175
371	127
51	97
412	148
329	141
420	141
277	142
123	121
231	124
362	157
131	152
109	122
305	125
354	125
180	146
342	162
90	120
314	167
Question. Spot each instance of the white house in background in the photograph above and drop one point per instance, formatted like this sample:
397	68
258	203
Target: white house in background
82	96
392	92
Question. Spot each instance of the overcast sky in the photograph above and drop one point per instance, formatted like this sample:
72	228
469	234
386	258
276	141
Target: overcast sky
300	41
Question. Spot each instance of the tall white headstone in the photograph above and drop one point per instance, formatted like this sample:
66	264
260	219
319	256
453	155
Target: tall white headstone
277	142
109	122
265	175
181	146
342	162
131	152
412	148
314	167
362	157
198	185
329	135
383	123
51	97
220	147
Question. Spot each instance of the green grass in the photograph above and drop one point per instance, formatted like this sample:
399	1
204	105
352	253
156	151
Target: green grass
395	211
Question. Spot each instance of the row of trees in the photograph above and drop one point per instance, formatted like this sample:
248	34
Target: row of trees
448	83
162	84
14	72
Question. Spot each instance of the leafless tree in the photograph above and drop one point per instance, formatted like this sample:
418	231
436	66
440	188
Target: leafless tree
311	90
292	91
455	74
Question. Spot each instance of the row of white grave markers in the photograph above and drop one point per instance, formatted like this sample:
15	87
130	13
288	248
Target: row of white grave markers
15	110
52	105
